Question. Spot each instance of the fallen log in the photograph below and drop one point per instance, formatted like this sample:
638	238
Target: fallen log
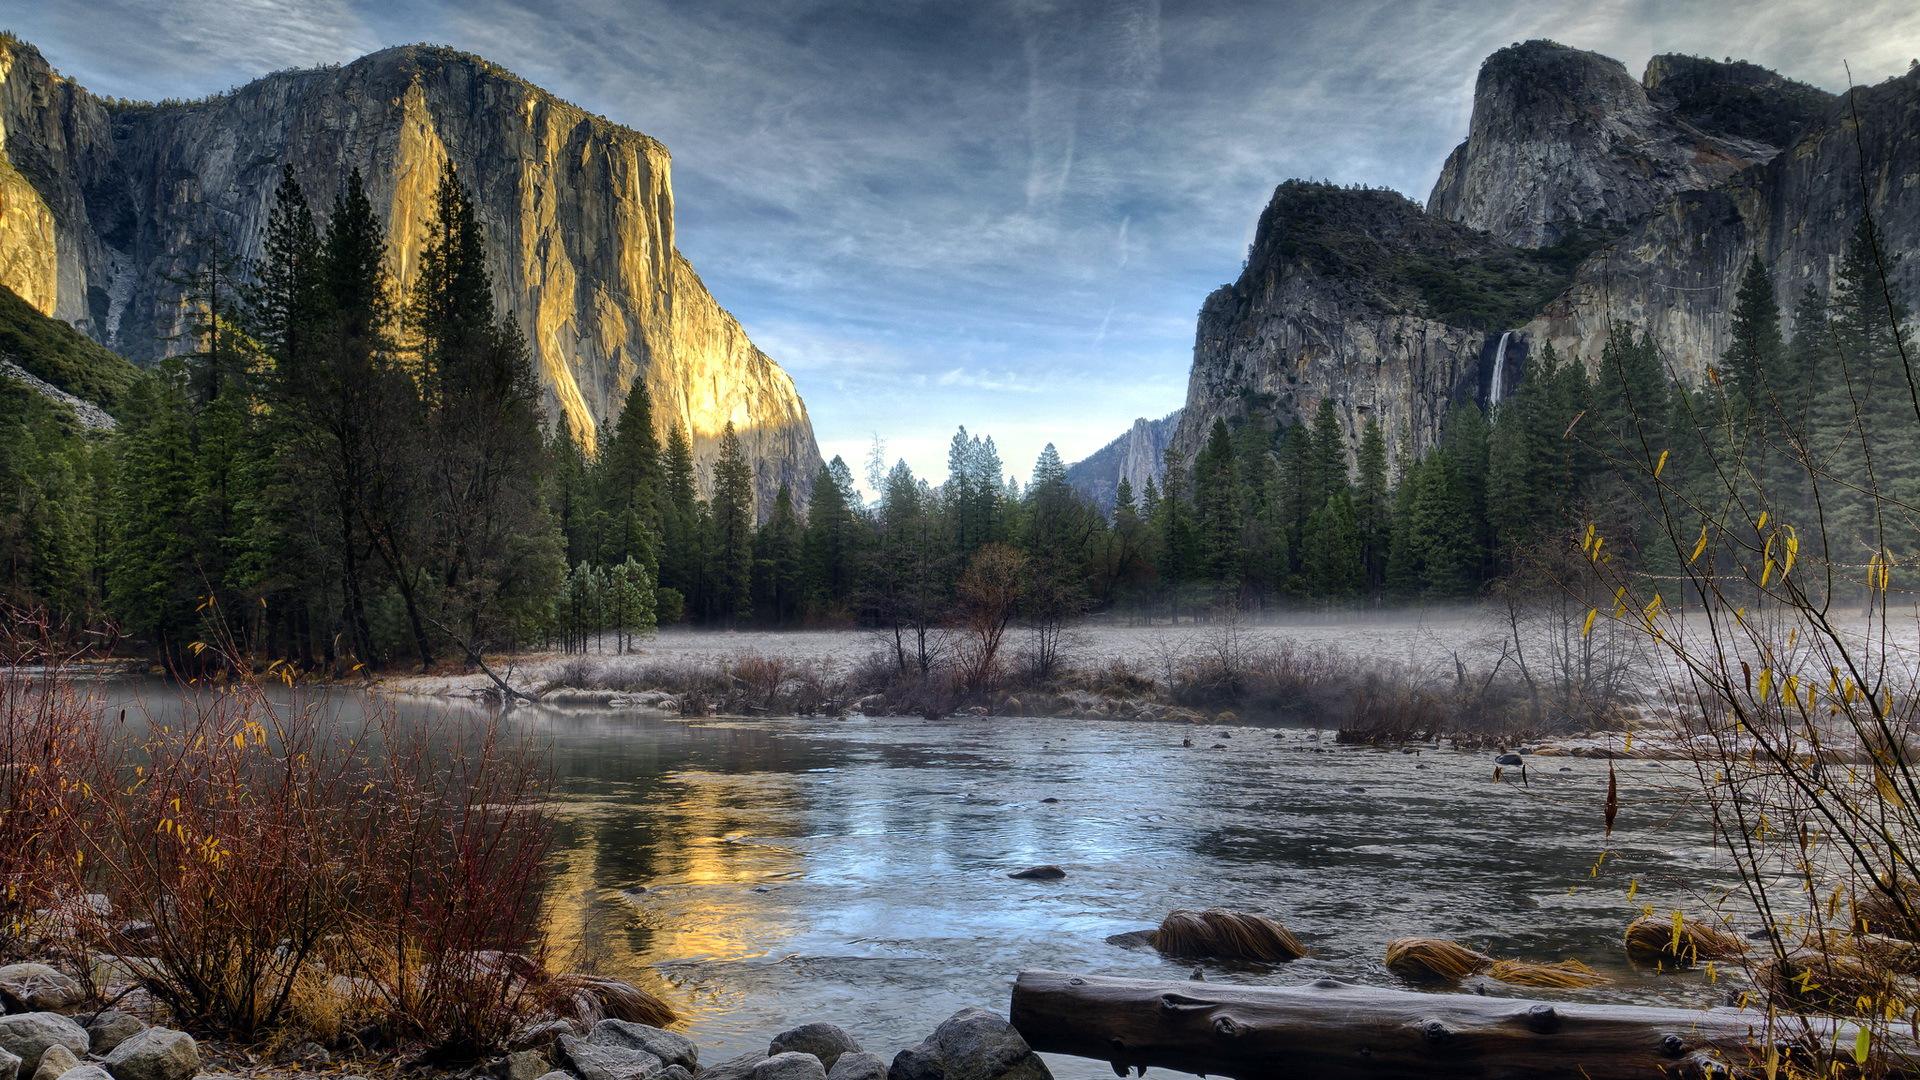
1333	1029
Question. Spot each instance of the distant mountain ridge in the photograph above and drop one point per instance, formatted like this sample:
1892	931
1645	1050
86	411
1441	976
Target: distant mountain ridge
105	205
1135	457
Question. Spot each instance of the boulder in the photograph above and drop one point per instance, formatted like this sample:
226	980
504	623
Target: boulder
1509	759
824	1041
559	1074
33	987
858	1065
522	1065
675	1072
28	1035
155	1054
791	1065
111	1028
1046	872
599	1061
55	1063
670	1048
539	1035
10	1066
734	1068
86	1072
973	1044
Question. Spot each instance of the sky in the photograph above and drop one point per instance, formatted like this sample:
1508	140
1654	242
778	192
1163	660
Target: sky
1002	214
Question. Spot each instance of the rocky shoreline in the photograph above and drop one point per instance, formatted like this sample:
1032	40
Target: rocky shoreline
55	1028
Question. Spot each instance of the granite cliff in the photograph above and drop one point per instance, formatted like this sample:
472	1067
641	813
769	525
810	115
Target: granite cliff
1136	457
104	205
1580	196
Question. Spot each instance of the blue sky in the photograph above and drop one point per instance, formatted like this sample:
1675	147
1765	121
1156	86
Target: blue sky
1002	213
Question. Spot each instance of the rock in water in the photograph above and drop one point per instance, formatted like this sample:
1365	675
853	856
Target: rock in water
973	1044
791	1065
579	214
34	987
155	1054
824	1041
670	1048
858	1065
28	1035
592	1061
1509	759
111	1028
55	1063
1046	872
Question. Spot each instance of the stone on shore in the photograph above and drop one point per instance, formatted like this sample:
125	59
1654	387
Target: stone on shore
155	1054
56	1063
111	1028
791	1065
670	1048
1046	872
858	1065
824	1041
522	1065
973	1044
9	1066
36	987
28	1035
734	1068
540	1035
86	1072
598	1061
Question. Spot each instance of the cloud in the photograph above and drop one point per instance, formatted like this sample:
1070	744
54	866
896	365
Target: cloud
1006	213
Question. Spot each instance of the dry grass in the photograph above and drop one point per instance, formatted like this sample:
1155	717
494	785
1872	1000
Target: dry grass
1834	982
1879	913
1217	934
589	999
1434	959
1681	941
1561	975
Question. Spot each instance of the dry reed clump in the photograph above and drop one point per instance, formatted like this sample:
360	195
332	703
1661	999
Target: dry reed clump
1878	912
589	999
1834	982
1435	959
1561	975
1681	940
1217	934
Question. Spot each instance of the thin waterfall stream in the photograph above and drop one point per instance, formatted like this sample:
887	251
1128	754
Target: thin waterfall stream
1498	386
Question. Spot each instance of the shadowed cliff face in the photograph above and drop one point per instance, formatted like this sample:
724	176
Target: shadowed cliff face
1563	140
1676	271
106	204
1360	297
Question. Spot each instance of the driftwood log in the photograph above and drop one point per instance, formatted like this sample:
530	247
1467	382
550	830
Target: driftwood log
1334	1029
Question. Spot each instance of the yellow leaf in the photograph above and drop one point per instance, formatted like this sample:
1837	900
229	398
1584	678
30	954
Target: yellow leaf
1592	614
1862	1043
1659	465
1699	547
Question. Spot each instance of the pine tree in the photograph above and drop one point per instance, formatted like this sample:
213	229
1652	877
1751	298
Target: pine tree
733	517
1372	506
628	483
777	561
1217	509
1753	351
680	559
830	548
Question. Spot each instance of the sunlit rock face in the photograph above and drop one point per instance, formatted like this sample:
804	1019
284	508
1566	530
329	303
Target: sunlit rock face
1135	457
1563	140
107	204
1675	272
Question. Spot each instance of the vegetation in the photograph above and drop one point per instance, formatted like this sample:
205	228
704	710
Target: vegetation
63	356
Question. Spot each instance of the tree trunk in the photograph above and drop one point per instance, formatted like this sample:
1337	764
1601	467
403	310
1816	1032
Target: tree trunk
1332	1029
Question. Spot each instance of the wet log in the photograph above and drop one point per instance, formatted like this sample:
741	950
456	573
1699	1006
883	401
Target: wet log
1333	1029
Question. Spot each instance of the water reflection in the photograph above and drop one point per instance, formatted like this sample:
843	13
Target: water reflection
769	872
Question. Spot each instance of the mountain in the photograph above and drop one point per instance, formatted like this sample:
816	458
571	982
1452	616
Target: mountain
1135	457
106	205
1565	143
61	362
1580	197
1358	295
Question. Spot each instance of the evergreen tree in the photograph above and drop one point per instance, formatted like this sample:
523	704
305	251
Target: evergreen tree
680	559
733	517
1334	557
628	483
778	577
1372	506
1218	512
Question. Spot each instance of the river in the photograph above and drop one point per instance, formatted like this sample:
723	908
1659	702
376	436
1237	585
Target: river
763	873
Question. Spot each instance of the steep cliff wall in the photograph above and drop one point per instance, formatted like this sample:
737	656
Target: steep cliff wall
1675	273
106	205
1136	457
1359	297
1564	141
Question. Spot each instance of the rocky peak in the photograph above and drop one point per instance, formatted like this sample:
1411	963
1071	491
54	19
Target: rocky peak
104	206
1735	98
1136	457
1565	143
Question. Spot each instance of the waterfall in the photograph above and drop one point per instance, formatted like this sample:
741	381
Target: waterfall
1495	390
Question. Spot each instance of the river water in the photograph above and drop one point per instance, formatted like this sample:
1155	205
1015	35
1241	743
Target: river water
763	873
